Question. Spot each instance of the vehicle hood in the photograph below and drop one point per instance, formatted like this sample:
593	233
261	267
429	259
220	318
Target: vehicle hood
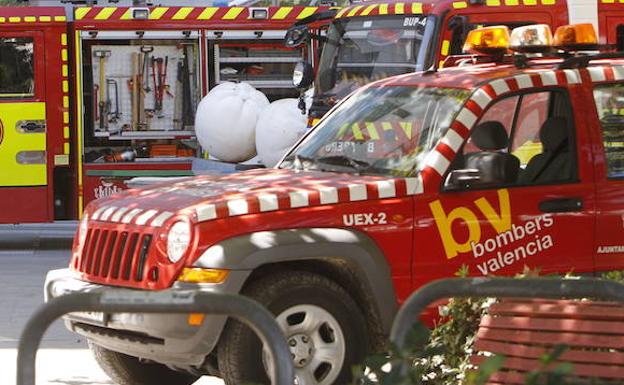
205	198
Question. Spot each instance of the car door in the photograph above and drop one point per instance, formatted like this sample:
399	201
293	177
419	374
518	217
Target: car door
23	180
609	166
539	214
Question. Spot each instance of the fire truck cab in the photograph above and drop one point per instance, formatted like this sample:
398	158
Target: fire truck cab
372	40
492	165
93	96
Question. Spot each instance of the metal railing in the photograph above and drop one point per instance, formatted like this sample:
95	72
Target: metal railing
259	319
500	288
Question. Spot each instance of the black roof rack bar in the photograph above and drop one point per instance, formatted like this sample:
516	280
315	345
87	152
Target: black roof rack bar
583	61
324	15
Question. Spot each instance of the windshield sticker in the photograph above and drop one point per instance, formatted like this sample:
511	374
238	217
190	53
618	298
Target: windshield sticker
414	22
512	243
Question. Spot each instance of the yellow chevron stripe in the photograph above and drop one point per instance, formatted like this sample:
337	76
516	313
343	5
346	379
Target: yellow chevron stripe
45	19
65	70
512	2
233	13
64	39
354	10
399	9
417	8
372	131
549	2
460	5
530	2
342	131
407	128
445	47
492	3
207	13
357	133
157	13
30	19
341	12
183	13
383	9
127	15
105	13
60	18
368	10
282	13
15	19
82	12
66	132
307	11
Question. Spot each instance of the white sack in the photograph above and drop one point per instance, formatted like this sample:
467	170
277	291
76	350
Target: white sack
226	121
280	125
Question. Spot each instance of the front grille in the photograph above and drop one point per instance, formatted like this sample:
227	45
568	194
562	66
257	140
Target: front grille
118	255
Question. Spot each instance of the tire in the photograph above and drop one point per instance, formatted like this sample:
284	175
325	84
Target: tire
315	313
128	370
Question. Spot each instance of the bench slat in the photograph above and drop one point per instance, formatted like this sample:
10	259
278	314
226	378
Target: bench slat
552	310
566	325
583	370
535	352
552	338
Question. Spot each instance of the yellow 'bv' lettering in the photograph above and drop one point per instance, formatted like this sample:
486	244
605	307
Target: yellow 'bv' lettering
500	221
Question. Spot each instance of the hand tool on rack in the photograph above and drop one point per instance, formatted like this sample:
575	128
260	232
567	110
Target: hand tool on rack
134	94
96	106
102	55
115	114
188	116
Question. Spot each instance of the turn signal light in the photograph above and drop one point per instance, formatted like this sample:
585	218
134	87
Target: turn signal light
531	38
488	40
198	275
575	35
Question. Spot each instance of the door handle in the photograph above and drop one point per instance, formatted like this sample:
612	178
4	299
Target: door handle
561	205
31	126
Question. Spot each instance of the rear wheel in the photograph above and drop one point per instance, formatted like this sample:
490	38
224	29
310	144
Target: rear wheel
324	328
128	370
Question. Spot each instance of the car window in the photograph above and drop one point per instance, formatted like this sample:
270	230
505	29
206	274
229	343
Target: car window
17	79
610	105
520	140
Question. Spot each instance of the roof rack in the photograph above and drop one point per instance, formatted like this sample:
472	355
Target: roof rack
583	61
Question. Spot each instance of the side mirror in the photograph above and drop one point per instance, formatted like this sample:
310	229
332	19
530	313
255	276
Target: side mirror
458	179
303	75
296	35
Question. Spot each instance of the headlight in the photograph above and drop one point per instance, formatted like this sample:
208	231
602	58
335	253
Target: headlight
82	230
178	240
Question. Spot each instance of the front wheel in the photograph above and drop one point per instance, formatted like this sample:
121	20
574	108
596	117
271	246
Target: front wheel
324	328
128	370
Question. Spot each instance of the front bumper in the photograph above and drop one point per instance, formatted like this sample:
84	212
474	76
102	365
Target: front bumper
163	338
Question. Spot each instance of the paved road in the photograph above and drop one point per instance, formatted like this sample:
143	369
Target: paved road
63	357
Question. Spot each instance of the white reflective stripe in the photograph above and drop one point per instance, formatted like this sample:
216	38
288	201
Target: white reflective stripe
572	76
597	74
618	72
386	189
328	195
299	199
466	117
524	81
118	214
481	98
268	202
146	216
206	212
583	11
160	220
238	207
438	162
549	78
96	214
500	86
128	217
453	139
107	213
414	185
357	192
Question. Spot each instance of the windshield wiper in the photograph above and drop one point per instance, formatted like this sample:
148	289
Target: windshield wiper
297	161
344	161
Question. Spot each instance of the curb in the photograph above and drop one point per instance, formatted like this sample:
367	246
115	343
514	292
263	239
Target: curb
52	236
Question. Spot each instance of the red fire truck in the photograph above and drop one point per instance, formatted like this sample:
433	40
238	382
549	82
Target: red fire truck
409	179
373	39
95	96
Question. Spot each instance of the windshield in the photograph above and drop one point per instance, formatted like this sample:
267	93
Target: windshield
361	50
381	131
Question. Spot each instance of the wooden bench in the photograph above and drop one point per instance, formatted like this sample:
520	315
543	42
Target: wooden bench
524	329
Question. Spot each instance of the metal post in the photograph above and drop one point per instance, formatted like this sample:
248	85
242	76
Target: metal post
501	288
260	320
